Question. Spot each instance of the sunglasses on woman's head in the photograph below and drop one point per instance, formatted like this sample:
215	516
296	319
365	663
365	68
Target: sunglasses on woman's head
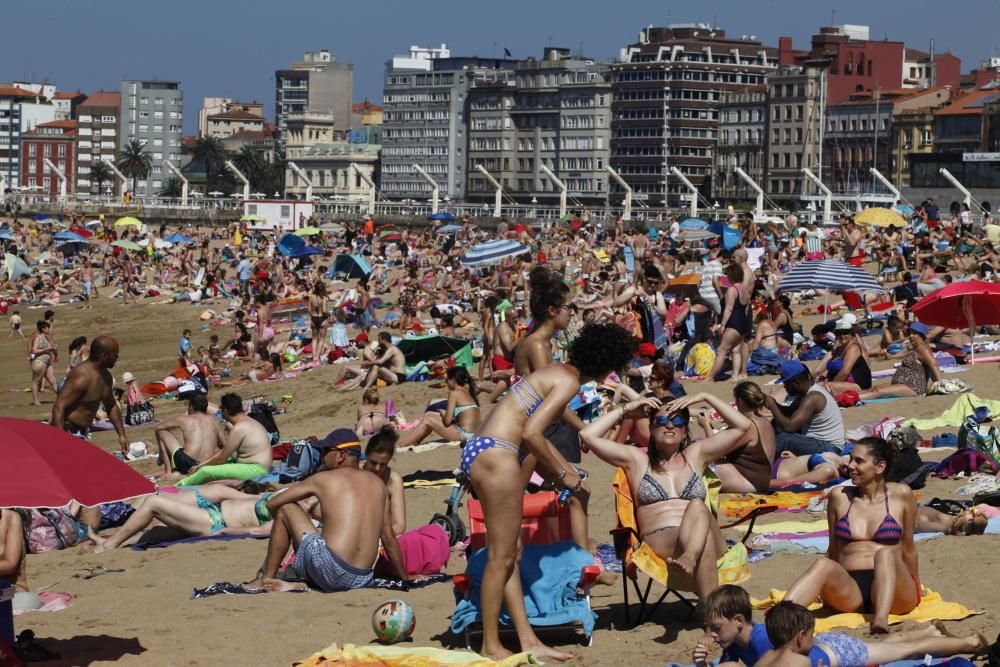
676	420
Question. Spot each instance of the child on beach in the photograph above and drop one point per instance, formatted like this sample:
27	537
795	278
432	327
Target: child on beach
15	325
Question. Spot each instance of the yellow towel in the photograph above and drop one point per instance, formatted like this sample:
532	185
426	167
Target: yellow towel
931	608
428	483
405	656
733	567
797	527
735	505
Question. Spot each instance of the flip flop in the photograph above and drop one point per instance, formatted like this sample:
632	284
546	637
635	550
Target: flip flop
90	573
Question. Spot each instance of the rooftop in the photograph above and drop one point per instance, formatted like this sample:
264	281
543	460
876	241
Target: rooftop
236	115
103	99
970	104
13	91
362	107
68	94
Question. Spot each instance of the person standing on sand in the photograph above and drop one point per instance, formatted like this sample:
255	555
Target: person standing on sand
247	441
87	283
200	436
340	557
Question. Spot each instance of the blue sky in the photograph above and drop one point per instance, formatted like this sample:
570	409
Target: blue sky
231	48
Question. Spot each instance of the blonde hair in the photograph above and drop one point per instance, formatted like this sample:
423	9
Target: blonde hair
750	393
370	396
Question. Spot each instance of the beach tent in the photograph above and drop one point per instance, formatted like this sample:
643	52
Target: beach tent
432	348
351	266
289	244
730	237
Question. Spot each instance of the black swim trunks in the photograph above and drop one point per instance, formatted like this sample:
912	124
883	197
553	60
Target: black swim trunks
78	431
182	462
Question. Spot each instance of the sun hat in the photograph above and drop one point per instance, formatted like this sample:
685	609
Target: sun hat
920	328
127	377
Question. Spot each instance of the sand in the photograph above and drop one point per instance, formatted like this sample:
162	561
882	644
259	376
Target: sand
143	616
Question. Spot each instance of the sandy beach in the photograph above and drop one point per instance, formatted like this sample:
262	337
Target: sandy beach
143	615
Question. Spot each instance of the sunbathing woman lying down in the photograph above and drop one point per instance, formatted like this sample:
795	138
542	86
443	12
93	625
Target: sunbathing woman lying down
211	509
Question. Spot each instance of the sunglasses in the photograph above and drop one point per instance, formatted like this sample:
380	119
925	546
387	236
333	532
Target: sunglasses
675	420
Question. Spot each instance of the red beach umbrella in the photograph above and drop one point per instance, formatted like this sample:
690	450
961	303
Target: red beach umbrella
41	466
962	304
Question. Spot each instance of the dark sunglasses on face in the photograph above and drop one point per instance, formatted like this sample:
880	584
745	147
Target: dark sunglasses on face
676	420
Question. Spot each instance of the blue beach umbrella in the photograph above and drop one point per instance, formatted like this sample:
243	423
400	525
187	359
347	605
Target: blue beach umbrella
69	236
693	223
449	229
441	215
178	238
492	252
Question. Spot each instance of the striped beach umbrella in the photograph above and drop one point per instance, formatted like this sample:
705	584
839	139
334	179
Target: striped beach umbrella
830	275
695	235
492	252
693	223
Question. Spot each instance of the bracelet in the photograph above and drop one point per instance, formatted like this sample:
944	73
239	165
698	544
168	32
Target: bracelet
560	476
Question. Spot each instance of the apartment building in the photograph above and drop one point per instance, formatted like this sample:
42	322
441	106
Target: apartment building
152	113
97	140
317	83
742	124
54	142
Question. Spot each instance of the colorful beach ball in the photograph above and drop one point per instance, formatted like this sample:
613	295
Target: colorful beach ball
393	621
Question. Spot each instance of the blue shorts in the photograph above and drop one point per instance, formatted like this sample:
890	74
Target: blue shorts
325	570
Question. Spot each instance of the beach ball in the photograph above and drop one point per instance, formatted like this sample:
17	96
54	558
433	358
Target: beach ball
393	621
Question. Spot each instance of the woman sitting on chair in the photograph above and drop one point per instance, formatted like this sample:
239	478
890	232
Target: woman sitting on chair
667	484
871	564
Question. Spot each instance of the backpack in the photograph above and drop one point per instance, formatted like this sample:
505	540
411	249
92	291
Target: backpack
303	460
264	414
908	468
48	530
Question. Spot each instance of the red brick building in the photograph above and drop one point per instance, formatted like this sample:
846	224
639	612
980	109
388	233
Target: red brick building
56	141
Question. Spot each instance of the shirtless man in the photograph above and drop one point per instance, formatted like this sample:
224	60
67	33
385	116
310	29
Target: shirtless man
89	386
355	509
504	342
389	364
87	283
247	441
200	436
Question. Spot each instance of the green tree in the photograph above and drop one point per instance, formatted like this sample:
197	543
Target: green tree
250	161
171	187
134	162
210	152
100	173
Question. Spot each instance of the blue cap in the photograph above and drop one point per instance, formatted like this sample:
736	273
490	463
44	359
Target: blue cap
791	369
920	328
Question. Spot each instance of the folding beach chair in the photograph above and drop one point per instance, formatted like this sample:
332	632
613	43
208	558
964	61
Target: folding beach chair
636	556
545	522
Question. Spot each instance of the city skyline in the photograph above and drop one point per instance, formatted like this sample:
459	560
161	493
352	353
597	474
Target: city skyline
203	47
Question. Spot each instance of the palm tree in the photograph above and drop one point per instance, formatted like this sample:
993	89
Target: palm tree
135	162
212	153
100	173
250	161
171	187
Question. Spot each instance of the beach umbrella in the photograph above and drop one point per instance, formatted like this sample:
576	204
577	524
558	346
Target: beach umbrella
68	236
46	467
306	252
83	231
449	229
879	217
289	244
390	235
331	227
159	244
429	348
693	223
128	221
308	231
40	217
93	223
695	235
71	247
730	237
904	209
127	245
7	236
961	304
685	285
492	252
15	266
178	238
252	218
45	221
215	193
830	275
441	215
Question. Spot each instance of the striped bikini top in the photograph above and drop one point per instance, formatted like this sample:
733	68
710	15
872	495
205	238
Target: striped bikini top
889	532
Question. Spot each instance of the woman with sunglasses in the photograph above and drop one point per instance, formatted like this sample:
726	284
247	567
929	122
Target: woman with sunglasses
667	480
500	459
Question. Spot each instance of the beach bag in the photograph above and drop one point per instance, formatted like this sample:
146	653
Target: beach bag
848	399
700	360
48	530
949	386
303	460
139	413
908	468
983	438
263	413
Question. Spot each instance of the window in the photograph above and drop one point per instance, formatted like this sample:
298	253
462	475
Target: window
47	150
62	150
31	150
108	119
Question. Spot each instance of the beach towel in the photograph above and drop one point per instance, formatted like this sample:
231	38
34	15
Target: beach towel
765	362
232	588
738	504
931	608
425	550
550	575
425	479
733	567
406	656
964	406
50	602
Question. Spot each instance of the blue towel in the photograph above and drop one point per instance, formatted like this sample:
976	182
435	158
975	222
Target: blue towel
550	574
765	362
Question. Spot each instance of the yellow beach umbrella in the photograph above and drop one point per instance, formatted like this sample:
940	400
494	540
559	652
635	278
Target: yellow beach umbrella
128	221
308	231
880	217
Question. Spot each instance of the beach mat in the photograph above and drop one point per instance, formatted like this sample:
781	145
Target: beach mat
931	608
231	588
154	543
429	478
406	656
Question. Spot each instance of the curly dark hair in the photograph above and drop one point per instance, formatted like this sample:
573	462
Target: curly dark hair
600	349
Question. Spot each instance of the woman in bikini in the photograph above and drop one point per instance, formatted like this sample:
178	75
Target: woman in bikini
748	468
735	325
458	419
871	564
667	484
42	354
492	461
318	318
371	413
212	509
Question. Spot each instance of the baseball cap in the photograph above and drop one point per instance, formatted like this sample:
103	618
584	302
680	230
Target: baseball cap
647	350
343	439
791	369
127	377
920	328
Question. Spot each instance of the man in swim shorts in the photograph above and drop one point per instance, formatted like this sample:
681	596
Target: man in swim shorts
185	441
248	442
355	509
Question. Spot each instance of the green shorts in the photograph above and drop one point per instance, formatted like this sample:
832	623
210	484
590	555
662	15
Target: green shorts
240	471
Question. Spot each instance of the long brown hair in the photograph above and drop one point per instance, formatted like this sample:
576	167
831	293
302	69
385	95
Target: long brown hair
656	459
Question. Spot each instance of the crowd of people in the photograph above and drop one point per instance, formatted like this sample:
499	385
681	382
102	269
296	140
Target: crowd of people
579	305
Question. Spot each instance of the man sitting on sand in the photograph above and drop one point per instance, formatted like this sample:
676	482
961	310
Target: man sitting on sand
389	365
812	422
184	441
247	441
355	509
